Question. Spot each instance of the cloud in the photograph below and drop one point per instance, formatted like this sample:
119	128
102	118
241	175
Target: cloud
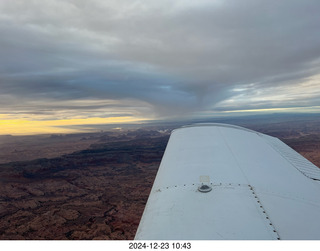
156	58
303	95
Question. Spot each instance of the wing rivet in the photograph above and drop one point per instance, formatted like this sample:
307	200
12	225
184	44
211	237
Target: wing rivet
204	188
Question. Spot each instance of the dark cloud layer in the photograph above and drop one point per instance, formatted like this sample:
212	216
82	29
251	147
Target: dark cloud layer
157	58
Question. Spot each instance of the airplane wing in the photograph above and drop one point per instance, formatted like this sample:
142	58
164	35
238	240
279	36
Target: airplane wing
219	181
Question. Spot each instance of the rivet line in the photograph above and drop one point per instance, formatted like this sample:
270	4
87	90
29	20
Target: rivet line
263	211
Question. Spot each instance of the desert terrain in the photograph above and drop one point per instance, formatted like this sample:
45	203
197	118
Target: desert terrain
95	185
21	148
97	193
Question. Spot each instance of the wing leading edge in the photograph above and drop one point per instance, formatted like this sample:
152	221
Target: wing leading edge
220	181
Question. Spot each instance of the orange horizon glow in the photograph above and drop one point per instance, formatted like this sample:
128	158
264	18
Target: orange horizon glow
10	125
31	127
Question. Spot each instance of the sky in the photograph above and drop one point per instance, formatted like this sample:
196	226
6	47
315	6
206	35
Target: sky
78	62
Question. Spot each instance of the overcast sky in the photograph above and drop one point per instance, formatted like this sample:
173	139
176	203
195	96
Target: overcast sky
66	59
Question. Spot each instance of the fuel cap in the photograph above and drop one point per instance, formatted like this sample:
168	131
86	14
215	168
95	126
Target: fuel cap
204	188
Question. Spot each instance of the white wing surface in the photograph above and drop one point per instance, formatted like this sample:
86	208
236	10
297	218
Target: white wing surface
220	181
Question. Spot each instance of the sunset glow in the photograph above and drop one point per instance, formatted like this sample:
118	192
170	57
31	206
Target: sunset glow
28	127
